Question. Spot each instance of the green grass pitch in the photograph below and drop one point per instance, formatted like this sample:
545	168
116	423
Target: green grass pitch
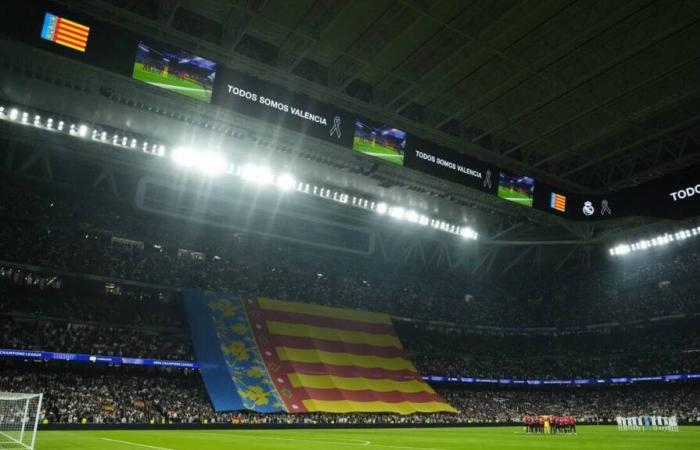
497	438
378	151
171	83
514	196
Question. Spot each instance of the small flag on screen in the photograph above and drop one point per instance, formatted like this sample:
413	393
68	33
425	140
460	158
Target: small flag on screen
558	202
65	32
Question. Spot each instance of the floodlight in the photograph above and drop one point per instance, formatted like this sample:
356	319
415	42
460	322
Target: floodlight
183	157
468	233
397	212
382	208
14	114
211	163
257	174
82	130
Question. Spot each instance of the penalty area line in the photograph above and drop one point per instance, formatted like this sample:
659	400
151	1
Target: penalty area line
136	444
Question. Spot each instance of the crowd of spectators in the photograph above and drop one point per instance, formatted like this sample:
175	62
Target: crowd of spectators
80	318
588	405
665	348
77	233
52	310
135	395
25	293
94	339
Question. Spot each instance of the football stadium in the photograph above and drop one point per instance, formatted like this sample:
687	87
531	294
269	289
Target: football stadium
387	224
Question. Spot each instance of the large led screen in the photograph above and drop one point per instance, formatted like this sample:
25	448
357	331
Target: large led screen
175	70
516	188
380	141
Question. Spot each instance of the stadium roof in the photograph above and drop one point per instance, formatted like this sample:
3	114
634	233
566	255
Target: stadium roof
590	96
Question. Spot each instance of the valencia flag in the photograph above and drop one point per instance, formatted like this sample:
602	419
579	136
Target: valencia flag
558	202
337	360
65	32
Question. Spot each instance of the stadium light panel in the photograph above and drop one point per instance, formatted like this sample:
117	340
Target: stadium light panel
212	163
257	174
412	216
286	182
183	157
397	212
657	241
209	163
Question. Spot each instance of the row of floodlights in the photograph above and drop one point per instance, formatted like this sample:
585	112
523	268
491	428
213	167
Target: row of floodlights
211	163
658	241
80	130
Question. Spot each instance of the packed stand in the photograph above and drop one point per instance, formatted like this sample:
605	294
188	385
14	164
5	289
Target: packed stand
661	349
76	394
75	232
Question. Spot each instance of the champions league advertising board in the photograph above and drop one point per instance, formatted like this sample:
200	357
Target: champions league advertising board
262	100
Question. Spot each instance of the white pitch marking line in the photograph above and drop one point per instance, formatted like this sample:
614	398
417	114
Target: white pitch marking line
319	441
136	444
338	442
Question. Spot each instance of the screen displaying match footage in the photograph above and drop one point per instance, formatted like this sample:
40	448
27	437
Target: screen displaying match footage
175	70
516	188
380	141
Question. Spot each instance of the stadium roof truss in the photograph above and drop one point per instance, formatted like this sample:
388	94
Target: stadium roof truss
590	96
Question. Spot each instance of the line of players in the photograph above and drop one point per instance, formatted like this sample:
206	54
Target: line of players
550	424
647	423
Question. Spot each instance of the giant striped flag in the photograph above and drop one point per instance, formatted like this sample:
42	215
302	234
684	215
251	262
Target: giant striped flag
337	360
65	32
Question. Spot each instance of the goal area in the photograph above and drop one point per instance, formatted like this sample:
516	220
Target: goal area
19	418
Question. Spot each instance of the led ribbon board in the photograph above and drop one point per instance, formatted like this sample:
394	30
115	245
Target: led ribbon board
265	101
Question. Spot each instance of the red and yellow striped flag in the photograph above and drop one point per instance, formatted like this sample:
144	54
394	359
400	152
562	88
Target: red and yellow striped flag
65	32
338	360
